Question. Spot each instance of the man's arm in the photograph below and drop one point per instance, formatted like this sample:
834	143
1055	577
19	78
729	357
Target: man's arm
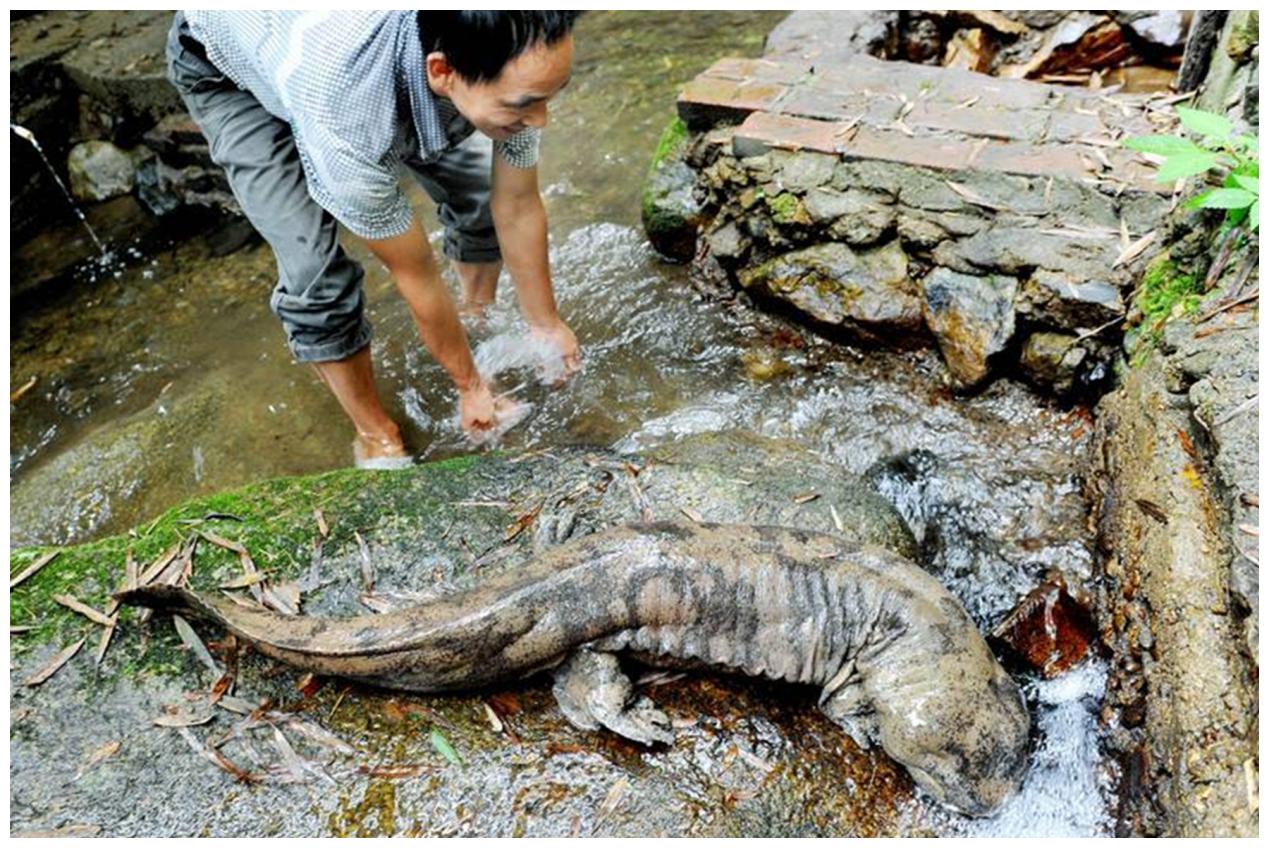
410	260
520	219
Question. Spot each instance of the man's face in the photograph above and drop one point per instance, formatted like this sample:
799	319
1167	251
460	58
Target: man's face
516	99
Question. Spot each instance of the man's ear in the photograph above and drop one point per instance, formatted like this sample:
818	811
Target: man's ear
440	74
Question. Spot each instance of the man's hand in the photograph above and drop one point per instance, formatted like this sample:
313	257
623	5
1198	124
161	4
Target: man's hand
564	345
482	413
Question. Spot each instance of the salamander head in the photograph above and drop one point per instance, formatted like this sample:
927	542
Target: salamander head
967	749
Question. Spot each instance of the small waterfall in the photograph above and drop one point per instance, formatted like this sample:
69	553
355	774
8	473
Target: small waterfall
23	132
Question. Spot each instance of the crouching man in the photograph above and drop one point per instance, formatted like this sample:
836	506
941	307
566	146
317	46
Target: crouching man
314	115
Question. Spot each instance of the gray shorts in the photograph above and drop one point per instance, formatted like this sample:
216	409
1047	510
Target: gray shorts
319	292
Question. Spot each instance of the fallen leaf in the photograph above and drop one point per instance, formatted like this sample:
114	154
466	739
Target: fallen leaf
522	522
283	597
692	514
104	752
73	603
222	687
195	644
33	567
805	498
837	519
309	684
176	717
322	527
53	665
218	759
1153	510
494	721
221	542
16	394
106	636
441	744
1134	250
367	565
755	761
396	772
615	794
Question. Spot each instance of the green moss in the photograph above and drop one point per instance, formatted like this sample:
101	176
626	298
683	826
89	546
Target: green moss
785	208
274	520
1164	294
673	138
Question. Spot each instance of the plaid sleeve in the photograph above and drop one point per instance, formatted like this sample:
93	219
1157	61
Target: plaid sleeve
521	150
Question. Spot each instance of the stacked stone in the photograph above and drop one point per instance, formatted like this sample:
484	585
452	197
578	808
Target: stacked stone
898	204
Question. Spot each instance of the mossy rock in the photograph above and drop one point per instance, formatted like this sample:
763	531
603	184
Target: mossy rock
443	523
671	215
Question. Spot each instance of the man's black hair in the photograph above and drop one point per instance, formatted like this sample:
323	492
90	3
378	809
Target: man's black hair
478	44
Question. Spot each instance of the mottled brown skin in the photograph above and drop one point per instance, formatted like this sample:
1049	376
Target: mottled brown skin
896	658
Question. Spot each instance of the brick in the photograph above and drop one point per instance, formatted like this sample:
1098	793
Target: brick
978	120
805	102
708	101
758	70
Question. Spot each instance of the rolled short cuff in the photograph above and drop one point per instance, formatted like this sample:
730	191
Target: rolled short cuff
326	350
468	247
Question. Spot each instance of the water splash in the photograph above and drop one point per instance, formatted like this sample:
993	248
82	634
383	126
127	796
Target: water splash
27	135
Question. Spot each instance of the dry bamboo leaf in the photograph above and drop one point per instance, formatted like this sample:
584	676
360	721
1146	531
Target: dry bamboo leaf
319	735
837	519
283	597
806	497
1135	249
108	749
323	528
74	604
16	394
218	759
53	665
244	581
130	571
692	514
159	565
195	644
222	542
494	721
396	772
33	568
755	761
614	797
106	636
181	718
367	564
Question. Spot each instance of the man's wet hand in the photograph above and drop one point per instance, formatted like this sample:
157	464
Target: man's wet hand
564	345
484	415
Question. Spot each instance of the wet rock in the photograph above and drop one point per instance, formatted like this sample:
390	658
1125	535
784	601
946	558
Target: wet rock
801	35
1049	631
857	217
1165	29
99	171
1067	301
727	242
1052	361
671	215
806	171
922	39
164	188
1017	250
972	318
868	293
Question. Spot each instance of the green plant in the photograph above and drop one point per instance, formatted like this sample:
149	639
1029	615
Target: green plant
1218	150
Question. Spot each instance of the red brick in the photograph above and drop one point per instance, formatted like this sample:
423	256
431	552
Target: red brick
978	120
707	101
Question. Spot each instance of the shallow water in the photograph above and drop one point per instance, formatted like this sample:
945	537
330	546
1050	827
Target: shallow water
171	379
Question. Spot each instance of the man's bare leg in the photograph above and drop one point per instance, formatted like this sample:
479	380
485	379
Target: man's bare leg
352	381
480	287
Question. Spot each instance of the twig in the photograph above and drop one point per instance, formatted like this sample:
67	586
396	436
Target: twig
1254	294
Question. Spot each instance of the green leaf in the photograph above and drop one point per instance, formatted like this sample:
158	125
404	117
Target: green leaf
1205	123
1186	165
446	750
1249	143
1161	145
1254	215
1252	184
1224	198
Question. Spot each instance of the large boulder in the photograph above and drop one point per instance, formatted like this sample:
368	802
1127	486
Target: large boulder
868	294
87	758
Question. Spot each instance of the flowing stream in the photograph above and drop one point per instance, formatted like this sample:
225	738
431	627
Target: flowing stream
172	380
